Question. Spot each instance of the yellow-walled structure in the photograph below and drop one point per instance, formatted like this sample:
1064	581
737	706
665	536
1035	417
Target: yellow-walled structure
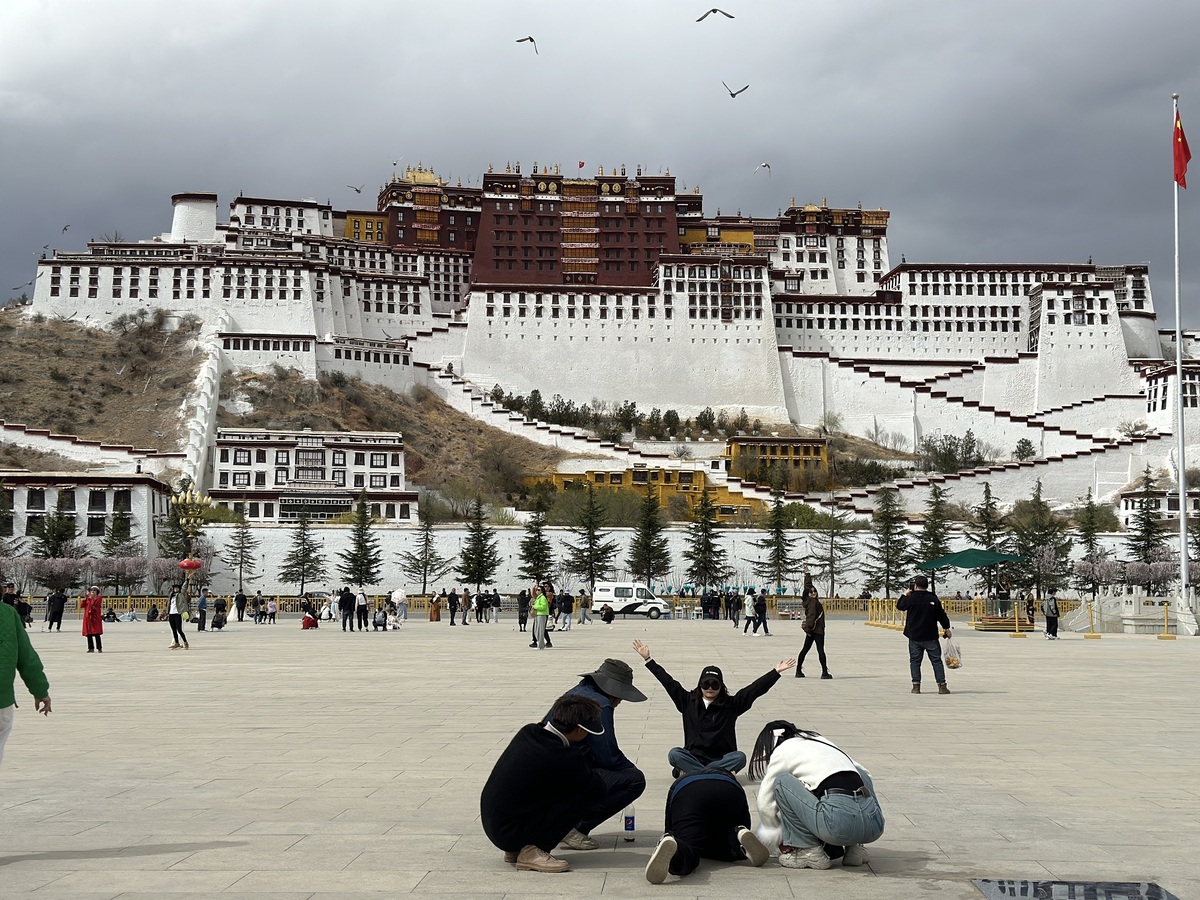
369	227
687	483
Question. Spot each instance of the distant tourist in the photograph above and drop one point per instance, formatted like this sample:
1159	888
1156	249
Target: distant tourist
239	603
362	608
93	626
56	604
272	608
522	610
177	608
346	608
814	628
452	606
400	598
1050	611
202	609
924	614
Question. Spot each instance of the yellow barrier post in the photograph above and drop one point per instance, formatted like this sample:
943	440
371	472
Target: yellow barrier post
1166	635
1018	633
1091	633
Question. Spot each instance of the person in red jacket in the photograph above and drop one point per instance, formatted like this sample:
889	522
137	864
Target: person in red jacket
93	622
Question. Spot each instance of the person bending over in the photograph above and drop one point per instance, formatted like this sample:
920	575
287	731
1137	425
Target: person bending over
527	822
707	818
710	714
815	802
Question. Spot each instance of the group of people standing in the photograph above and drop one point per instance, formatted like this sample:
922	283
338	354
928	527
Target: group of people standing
816	804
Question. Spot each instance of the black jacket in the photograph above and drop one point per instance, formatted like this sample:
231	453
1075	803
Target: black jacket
709	733
537	778
925	613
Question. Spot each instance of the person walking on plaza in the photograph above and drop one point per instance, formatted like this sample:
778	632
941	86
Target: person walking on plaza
814	628
924	614
527	819
815	803
176	607
361	608
623	781
566	608
707	818
346	608
452	606
760	612
272	609
17	657
733	607
239	603
748	612
710	714
1050	611
585	608
522	610
541	616
56	605
202	609
93	621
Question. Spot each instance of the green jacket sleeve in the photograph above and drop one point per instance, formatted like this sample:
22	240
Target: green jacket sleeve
29	665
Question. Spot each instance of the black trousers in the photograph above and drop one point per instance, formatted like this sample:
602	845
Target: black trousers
241	611
55	621
624	786
177	635
347	619
1052	626
809	640
99	644
362	618
704	814
203	618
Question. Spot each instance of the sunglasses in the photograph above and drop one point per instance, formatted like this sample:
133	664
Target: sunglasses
710	685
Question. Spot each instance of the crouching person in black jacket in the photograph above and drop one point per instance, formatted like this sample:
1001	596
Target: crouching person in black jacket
710	715
527	824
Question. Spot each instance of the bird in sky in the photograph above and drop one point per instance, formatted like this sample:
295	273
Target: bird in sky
65	227
357	190
763	165
25	285
396	162
45	246
714	10
732	92
529	38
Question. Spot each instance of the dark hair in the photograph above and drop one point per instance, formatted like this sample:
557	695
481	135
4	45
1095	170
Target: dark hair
572	710
921	582
766	743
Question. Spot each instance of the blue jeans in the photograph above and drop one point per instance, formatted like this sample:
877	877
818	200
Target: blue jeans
685	761
834	818
916	649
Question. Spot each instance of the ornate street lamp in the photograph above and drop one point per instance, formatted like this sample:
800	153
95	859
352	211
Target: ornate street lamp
189	506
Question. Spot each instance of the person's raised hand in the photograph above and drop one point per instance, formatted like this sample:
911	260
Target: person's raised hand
42	705
644	651
785	664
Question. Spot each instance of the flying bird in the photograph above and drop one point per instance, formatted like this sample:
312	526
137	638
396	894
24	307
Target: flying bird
45	246
714	10
763	165
531	40
65	227
25	285
732	92
357	190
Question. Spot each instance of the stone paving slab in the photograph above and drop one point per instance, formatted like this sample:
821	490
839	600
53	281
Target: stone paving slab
268	762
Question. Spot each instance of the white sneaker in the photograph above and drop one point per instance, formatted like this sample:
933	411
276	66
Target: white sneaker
856	855
805	858
577	840
660	860
756	852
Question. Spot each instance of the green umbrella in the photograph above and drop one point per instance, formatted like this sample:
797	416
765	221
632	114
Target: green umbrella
970	559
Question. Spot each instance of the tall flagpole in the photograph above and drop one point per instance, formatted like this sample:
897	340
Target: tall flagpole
1182	464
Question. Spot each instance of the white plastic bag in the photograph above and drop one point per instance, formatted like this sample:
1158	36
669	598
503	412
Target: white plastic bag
951	652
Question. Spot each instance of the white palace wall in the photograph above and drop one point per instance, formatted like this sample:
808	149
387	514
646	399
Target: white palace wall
1011	383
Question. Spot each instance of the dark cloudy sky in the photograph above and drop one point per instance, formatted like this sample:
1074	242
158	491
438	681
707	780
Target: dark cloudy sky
994	130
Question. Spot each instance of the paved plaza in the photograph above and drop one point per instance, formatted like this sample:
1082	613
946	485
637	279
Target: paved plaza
271	762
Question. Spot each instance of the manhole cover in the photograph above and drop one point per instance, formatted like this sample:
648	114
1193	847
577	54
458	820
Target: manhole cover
997	888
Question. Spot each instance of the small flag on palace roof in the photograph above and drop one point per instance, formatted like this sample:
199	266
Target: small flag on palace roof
1182	154
581	162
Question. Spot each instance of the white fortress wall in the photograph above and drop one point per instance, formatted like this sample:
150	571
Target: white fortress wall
1011	383
1077	362
110	457
262	358
961	384
441	342
1139	330
199	409
1099	416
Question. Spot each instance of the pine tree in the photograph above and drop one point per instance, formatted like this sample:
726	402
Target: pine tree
649	556
361	562
934	540
779	564
836	549
1087	524
989	532
55	538
707	559
241	551
1040	536
480	557
1146	536
535	553
425	564
117	535
888	557
304	563
591	558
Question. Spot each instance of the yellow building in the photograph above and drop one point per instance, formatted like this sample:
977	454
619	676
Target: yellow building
670	482
367	226
746	454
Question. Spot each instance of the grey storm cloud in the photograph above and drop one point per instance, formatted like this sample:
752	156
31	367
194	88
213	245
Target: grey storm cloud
994	131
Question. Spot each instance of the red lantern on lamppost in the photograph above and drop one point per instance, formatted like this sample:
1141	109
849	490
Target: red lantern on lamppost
190	565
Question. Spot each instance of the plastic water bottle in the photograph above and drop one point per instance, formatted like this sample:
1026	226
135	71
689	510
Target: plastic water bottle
629	823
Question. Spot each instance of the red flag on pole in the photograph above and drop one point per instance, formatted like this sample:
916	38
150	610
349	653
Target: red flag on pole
1182	154
581	161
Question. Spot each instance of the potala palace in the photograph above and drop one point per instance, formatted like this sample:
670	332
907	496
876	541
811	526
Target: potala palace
620	287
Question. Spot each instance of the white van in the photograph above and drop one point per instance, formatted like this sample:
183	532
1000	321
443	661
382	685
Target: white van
628	598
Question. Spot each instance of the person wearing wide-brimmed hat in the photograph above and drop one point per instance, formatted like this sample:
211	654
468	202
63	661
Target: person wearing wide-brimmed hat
611	683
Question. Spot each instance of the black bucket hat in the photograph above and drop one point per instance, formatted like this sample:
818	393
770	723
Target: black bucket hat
615	678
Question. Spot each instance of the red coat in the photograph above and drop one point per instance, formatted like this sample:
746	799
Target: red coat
93	623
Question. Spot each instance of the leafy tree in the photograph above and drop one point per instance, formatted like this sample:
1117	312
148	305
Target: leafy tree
361	562
780	563
649	557
706	419
933	542
241	551
1089	524
1146	534
1040	536
1025	449
888	553
425	564
707	559
836	548
535	553
591	557
305	562
671	421
480	557
988	532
